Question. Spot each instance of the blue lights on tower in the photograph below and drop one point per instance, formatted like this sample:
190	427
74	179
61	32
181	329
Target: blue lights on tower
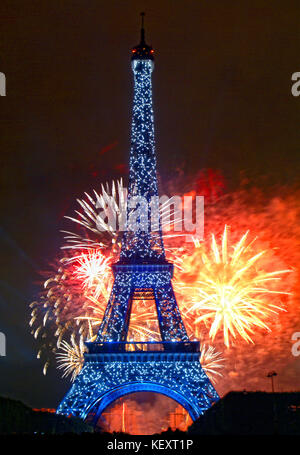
114	366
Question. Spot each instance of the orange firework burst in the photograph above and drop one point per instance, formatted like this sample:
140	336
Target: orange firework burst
211	361
230	290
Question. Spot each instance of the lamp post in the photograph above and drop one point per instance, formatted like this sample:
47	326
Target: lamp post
271	375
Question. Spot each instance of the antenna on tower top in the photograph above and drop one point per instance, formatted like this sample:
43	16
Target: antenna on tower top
142	29
142	51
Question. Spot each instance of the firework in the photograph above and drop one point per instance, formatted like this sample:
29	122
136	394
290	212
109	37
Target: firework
70	358
101	216
76	279
211	361
75	283
143	324
93	270
102	220
143	327
231	290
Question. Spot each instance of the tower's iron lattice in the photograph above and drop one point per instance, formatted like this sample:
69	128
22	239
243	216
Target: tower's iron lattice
114	366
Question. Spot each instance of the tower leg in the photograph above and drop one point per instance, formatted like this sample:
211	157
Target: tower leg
114	326
172	327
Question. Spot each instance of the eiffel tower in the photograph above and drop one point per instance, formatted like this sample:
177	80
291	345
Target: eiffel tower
114	366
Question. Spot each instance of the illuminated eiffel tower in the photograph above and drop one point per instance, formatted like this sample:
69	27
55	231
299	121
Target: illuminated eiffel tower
114	366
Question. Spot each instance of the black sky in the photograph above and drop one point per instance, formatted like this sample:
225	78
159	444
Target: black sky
222	100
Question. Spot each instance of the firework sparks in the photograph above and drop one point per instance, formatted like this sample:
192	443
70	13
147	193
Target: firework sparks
93	270
143	324
211	361
230	293
103	217
143	320
66	296
100	215
70	358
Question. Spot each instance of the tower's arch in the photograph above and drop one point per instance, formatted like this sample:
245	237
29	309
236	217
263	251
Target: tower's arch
103	401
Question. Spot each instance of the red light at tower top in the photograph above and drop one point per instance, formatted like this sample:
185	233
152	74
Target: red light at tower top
142	51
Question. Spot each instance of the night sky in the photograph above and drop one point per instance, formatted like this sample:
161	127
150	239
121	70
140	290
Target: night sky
222	100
